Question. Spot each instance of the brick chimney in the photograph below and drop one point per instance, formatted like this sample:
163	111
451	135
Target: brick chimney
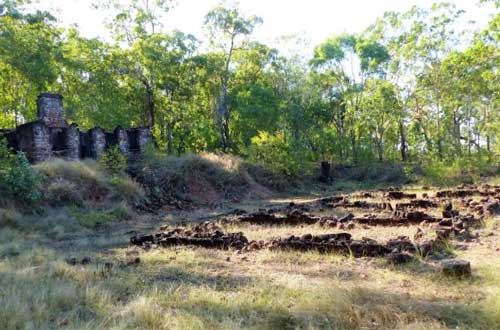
50	110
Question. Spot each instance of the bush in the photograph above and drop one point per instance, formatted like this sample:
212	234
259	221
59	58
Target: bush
461	170
113	161
6	158
278	156
23	180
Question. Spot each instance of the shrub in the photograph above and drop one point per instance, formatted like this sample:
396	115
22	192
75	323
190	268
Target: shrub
113	161
6	158
278	155
23	180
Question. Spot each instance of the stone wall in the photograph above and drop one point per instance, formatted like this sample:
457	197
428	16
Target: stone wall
50	136
34	139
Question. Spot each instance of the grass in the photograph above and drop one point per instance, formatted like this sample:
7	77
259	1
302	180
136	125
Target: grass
190	288
194	288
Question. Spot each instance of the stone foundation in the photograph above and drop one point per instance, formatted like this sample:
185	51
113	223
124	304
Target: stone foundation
51	136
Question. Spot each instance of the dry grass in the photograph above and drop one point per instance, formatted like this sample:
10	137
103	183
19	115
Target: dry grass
190	288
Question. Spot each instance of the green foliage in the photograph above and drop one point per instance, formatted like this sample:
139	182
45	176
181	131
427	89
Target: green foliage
414	86
278	156
23	180
96	218
462	170
6	157
113	161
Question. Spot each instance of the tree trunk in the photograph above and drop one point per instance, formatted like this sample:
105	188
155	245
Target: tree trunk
170	138
402	135
151	106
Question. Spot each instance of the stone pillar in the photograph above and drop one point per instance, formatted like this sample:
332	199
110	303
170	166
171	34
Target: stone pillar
144	138
325	172
97	142
121	138
72	139
50	110
41	143
34	140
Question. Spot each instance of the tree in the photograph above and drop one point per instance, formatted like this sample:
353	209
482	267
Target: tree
226	25
346	62
137	24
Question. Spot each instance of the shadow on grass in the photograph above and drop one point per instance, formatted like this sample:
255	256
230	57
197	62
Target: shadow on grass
338	309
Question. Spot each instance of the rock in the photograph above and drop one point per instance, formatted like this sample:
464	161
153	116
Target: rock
306	237
346	218
399	258
134	261
86	260
458	268
400	195
493	208
447	214
446	223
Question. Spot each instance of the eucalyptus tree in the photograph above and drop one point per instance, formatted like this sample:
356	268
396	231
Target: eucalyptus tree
136	25
227	28
418	41
346	62
29	55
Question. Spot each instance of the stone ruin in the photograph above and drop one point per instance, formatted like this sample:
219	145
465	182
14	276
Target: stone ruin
51	136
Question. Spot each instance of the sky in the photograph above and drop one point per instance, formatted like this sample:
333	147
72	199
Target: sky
312	20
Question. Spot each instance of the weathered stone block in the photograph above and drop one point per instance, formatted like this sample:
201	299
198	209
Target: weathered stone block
97	142
34	139
457	268
50	110
144	138
121	140
72	140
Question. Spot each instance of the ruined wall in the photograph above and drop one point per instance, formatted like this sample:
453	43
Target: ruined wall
97	142
51	136
73	143
121	139
34	139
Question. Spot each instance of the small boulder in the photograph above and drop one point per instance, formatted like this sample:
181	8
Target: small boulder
398	258
458	268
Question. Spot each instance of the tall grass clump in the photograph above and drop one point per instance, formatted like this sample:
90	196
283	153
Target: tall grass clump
168	178
85	183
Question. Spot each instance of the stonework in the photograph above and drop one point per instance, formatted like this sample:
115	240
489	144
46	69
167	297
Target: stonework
50	110
51	136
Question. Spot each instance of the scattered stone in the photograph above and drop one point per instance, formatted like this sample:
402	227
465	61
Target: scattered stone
493	208
206	235
398	258
86	260
134	261
400	195
457	268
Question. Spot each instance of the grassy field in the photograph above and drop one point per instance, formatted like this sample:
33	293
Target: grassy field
195	288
